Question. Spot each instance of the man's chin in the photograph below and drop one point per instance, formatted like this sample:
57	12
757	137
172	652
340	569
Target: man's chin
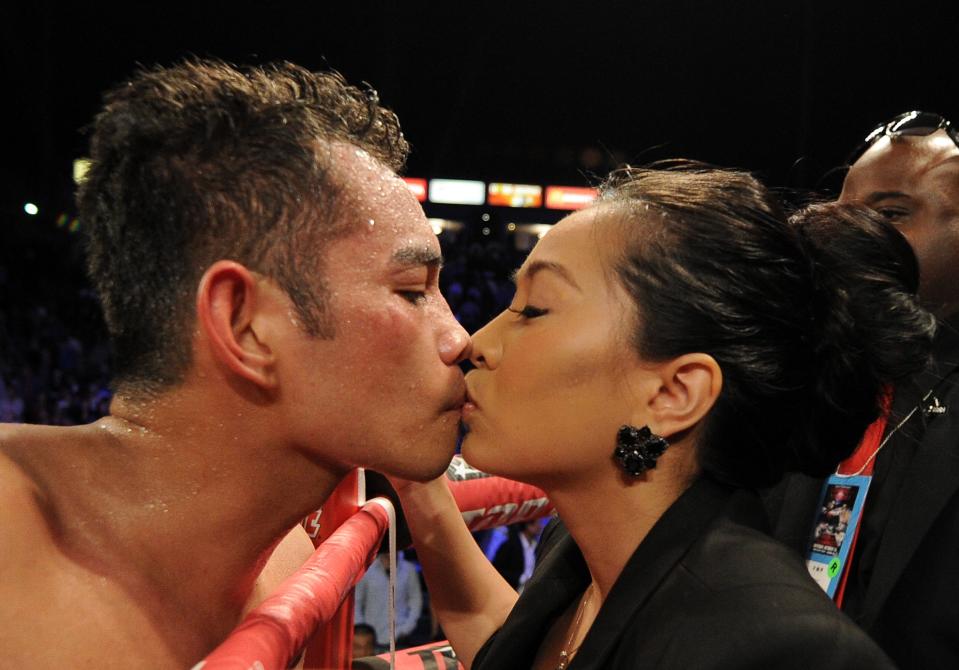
422	470
428	455
429	469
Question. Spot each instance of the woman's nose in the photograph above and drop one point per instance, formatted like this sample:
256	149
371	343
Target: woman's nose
486	345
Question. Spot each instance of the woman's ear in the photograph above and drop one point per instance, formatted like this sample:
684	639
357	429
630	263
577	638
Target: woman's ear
227	314
688	388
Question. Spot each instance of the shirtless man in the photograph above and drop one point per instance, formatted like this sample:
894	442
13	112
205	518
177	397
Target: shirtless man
270	287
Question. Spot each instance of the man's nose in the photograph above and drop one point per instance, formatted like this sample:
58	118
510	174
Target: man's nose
454	342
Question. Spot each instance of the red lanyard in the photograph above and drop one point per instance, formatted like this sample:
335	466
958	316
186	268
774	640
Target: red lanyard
862	462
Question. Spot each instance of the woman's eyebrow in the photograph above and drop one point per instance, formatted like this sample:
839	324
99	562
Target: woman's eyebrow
534	267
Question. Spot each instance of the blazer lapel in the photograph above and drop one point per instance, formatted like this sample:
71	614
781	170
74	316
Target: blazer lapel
656	556
932	479
561	576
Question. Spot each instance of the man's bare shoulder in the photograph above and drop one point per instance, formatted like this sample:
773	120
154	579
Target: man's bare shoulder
55	613
290	554
24	527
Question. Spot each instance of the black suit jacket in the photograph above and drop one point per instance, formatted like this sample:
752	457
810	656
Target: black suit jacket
510	561
905	591
705	589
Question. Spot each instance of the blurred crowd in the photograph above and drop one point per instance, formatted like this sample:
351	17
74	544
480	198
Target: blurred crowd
54	356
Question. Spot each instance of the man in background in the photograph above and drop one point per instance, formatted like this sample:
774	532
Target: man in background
902	587
515	559
372	600
364	640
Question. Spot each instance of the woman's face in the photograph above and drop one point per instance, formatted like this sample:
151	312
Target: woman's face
555	381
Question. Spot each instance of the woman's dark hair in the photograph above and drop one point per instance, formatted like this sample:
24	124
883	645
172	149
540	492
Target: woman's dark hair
809	317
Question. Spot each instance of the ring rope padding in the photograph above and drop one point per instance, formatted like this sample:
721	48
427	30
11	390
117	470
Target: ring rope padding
279	627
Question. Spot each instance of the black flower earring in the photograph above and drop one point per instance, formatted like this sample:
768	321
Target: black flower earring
638	448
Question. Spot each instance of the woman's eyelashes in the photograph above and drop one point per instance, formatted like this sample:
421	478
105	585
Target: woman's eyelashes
529	312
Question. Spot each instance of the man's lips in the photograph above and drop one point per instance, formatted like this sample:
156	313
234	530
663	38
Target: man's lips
470	406
458	398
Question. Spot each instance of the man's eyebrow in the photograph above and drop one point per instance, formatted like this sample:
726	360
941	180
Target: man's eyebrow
877	196
534	267
418	256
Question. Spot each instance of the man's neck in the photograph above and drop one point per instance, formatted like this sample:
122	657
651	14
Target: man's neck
185	503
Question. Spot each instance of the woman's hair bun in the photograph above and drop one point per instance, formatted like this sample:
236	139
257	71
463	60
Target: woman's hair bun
866	329
809	317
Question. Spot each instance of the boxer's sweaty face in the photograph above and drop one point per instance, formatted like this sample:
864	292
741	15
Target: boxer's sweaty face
385	392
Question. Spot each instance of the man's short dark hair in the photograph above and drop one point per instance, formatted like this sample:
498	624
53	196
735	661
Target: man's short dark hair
206	161
364	629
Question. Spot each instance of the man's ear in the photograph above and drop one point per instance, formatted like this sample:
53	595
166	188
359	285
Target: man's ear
689	387
227	304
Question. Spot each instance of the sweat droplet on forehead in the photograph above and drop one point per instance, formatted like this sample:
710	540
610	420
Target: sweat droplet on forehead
380	202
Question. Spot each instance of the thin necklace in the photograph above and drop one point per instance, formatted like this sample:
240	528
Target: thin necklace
566	654
890	434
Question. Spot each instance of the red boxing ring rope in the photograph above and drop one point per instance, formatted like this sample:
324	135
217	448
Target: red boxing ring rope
277	629
488	501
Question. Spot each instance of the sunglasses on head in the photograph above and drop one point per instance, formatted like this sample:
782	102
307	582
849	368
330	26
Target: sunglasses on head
914	123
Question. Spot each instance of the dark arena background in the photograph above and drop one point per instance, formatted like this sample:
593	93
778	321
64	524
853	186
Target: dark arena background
516	98
527	104
515	112
519	98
